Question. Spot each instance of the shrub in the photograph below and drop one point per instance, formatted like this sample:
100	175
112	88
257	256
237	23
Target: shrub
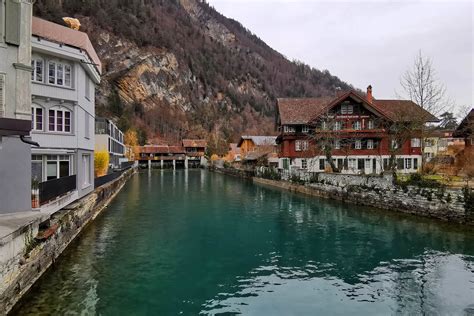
468	200
101	163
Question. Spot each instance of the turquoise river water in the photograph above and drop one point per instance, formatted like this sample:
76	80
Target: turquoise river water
194	242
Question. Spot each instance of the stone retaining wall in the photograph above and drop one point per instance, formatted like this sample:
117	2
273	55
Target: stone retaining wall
447	205
25	267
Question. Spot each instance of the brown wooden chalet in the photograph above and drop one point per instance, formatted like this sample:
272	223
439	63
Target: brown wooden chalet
362	132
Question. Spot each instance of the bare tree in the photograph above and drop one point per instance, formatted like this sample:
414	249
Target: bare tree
422	86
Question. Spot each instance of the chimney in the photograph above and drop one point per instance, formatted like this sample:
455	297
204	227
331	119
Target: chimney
369	94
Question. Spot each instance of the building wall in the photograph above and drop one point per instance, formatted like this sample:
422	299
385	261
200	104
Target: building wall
15	61
15	162
246	146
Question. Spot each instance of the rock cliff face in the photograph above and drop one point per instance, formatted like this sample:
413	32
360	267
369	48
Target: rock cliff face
177	69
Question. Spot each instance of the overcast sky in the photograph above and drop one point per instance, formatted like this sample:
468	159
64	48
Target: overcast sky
368	42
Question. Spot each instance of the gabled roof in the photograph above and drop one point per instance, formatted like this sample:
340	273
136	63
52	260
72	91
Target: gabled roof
65	35
259	140
466	127
194	143
303	111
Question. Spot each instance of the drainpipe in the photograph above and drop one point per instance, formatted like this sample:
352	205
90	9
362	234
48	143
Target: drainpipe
28	141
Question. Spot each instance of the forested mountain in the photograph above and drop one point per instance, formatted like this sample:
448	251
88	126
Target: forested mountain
178	68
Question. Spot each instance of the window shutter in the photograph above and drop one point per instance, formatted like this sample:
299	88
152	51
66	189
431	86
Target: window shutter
2	95
13	23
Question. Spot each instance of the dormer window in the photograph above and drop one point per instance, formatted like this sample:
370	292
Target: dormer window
289	129
347	109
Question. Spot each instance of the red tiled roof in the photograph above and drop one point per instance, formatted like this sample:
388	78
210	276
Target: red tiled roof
176	150
65	35
304	110
194	143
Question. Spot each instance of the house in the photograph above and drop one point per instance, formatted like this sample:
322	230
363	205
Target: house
233	155
360	133
161	156
195	151
255	148
65	71
466	130
438	142
15	106
110	138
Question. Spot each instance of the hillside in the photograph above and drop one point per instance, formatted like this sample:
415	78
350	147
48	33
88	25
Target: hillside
178	68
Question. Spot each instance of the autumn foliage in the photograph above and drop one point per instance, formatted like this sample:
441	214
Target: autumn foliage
101	163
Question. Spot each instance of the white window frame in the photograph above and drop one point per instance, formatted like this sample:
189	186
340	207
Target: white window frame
370	144
86	167
408	163
304	164
57	159
34	114
337	144
337	125
61	71
298	145
415	142
347	109
357	125
358	144
370	124
87	133
394	144
55	116
289	129
305	129
34	73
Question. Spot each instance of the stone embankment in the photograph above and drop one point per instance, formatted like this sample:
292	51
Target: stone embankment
381	192
24	257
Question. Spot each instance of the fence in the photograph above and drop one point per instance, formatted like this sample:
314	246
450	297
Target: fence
124	166
51	189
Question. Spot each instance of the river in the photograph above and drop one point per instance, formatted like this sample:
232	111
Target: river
192	242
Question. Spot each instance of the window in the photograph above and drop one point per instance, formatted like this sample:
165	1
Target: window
86	167
59	74
37	73
429	142
37	168
304	164
289	129
360	164
57	166
400	164
323	125
37	118
2	94
86	125
356	125
322	164
370	144
298	145
358	144
347	109
352	163
59	121
337	125
304	145
415	163
370	124
407	163
88	89
415	142
305	129
394	144
337	144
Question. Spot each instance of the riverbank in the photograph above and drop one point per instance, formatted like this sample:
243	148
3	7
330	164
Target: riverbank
446	204
36	241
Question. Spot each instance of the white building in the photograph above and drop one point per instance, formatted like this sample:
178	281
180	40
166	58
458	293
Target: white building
65	71
110	138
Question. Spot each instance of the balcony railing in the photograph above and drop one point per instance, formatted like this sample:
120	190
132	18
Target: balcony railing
52	189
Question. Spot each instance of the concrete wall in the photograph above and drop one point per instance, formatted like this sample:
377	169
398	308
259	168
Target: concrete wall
15	175
23	260
82	187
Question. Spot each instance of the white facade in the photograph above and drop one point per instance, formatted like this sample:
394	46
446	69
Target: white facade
353	164
63	113
110	138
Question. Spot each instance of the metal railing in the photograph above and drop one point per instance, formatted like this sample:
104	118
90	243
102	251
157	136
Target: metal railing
52	189
124	166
